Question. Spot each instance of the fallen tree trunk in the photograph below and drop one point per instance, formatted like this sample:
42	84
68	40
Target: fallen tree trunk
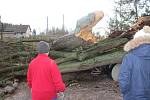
106	59
11	56
94	50
68	42
62	60
36	40
101	48
58	54
13	68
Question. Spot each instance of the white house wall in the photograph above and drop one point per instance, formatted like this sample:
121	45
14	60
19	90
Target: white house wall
18	35
28	32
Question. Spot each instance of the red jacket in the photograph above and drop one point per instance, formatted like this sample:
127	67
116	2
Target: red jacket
44	78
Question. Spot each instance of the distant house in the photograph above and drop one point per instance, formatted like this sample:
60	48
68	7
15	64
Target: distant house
10	30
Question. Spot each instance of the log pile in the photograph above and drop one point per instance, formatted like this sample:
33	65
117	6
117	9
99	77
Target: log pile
15	57
71	53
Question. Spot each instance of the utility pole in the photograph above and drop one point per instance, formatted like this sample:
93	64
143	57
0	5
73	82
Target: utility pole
47	26
63	25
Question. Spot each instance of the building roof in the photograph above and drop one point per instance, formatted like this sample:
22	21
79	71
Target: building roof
10	28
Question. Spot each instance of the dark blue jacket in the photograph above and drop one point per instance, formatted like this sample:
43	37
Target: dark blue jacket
134	76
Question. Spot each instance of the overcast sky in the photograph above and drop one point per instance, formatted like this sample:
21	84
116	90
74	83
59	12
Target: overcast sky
35	12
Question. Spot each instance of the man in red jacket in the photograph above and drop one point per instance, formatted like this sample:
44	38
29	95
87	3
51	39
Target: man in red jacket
43	75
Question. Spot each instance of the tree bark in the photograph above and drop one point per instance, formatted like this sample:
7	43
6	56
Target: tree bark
106	59
11	56
101	47
13	68
58	54
68	42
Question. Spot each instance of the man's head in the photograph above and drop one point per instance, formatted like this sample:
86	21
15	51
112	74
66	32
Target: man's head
43	47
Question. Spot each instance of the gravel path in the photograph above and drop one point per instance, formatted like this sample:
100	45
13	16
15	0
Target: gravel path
104	89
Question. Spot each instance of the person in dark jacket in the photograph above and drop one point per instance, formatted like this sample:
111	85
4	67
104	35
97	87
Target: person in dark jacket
44	77
134	76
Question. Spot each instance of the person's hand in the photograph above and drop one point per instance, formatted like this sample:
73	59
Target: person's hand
60	96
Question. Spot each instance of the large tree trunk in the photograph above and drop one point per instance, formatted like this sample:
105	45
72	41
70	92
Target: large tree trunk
92	51
106	59
13	68
101	47
68	42
59	54
18	54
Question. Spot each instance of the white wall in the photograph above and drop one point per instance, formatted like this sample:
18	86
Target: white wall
28	32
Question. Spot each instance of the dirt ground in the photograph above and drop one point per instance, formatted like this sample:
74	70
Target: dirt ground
101	89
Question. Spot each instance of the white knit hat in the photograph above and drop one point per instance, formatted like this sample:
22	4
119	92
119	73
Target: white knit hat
143	32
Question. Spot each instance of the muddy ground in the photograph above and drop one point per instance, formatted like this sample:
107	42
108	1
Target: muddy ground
97	89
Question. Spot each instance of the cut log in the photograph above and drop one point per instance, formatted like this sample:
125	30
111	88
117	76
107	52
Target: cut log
102	47
106	59
58	54
97	49
62	60
17	55
115	72
68	42
13	68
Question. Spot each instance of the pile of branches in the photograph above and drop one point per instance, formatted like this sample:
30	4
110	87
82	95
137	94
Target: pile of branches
14	58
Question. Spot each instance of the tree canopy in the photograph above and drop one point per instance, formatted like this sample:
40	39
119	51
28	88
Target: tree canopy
126	12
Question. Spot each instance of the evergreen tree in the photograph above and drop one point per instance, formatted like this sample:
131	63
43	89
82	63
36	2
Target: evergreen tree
34	32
